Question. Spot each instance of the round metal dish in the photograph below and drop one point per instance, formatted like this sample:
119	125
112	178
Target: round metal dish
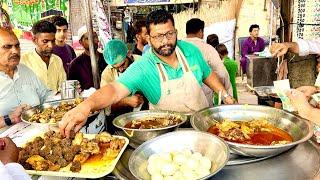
207	144
26	115
139	136
300	129
301	162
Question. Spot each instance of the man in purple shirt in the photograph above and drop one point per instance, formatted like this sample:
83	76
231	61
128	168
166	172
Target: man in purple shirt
250	45
61	49
80	67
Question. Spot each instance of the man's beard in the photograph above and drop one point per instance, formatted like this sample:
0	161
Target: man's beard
168	52
46	53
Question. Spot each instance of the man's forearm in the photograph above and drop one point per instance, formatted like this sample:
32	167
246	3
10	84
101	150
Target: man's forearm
310	113
214	83
121	104
292	47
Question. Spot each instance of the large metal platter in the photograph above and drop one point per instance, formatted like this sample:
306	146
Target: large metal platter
301	162
26	115
300	129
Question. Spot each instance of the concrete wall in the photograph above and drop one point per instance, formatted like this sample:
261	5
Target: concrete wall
302	70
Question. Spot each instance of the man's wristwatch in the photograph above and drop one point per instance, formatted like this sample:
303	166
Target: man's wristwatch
7	120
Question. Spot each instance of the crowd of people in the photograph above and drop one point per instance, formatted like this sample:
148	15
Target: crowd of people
176	75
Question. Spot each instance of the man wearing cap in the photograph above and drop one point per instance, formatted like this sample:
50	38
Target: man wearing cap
115	54
80	68
47	66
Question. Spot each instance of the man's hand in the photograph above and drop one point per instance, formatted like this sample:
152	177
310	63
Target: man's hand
299	100
229	100
279	49
15	116
307	90
134	101
10	152
74	119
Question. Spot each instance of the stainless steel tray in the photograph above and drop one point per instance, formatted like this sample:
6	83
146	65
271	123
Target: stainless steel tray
26	115
300	162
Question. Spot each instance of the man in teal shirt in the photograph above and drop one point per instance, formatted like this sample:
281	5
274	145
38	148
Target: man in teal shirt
170	76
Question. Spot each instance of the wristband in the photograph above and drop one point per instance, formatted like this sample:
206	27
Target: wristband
7	120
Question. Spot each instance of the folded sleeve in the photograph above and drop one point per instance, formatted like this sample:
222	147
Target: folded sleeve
308	47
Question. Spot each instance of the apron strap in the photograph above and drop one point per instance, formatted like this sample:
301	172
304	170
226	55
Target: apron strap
182	60
163	77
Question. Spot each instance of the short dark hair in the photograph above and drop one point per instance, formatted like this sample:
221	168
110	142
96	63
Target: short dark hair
138	26
194	25
253	26
59	21
213	40
222	49
43	26
159	16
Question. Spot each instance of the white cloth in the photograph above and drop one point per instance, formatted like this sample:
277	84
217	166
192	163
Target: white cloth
13	171
308	46
183	94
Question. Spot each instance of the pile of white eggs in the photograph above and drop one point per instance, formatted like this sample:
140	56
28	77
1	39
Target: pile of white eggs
183	165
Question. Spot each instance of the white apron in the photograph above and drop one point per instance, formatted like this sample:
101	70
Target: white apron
183	94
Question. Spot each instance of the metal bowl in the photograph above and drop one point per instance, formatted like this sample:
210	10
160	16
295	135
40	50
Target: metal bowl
26	115
139	136
207	144
300	129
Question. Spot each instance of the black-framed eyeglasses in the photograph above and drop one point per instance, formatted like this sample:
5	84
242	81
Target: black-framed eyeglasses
169	35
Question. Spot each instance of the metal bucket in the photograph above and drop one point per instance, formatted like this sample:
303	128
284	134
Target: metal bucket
69	89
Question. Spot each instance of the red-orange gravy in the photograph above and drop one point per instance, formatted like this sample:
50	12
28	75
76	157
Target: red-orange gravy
260	137
97	157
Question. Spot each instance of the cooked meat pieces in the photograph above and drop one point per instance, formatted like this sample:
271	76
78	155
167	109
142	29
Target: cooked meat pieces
55	151
68	156
117	144
45	151
75	149
66	142
77	139
23	155
52	166
153	122
82	157
90	147
75	166
54	114
38	163
53	158
62	162
104	137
